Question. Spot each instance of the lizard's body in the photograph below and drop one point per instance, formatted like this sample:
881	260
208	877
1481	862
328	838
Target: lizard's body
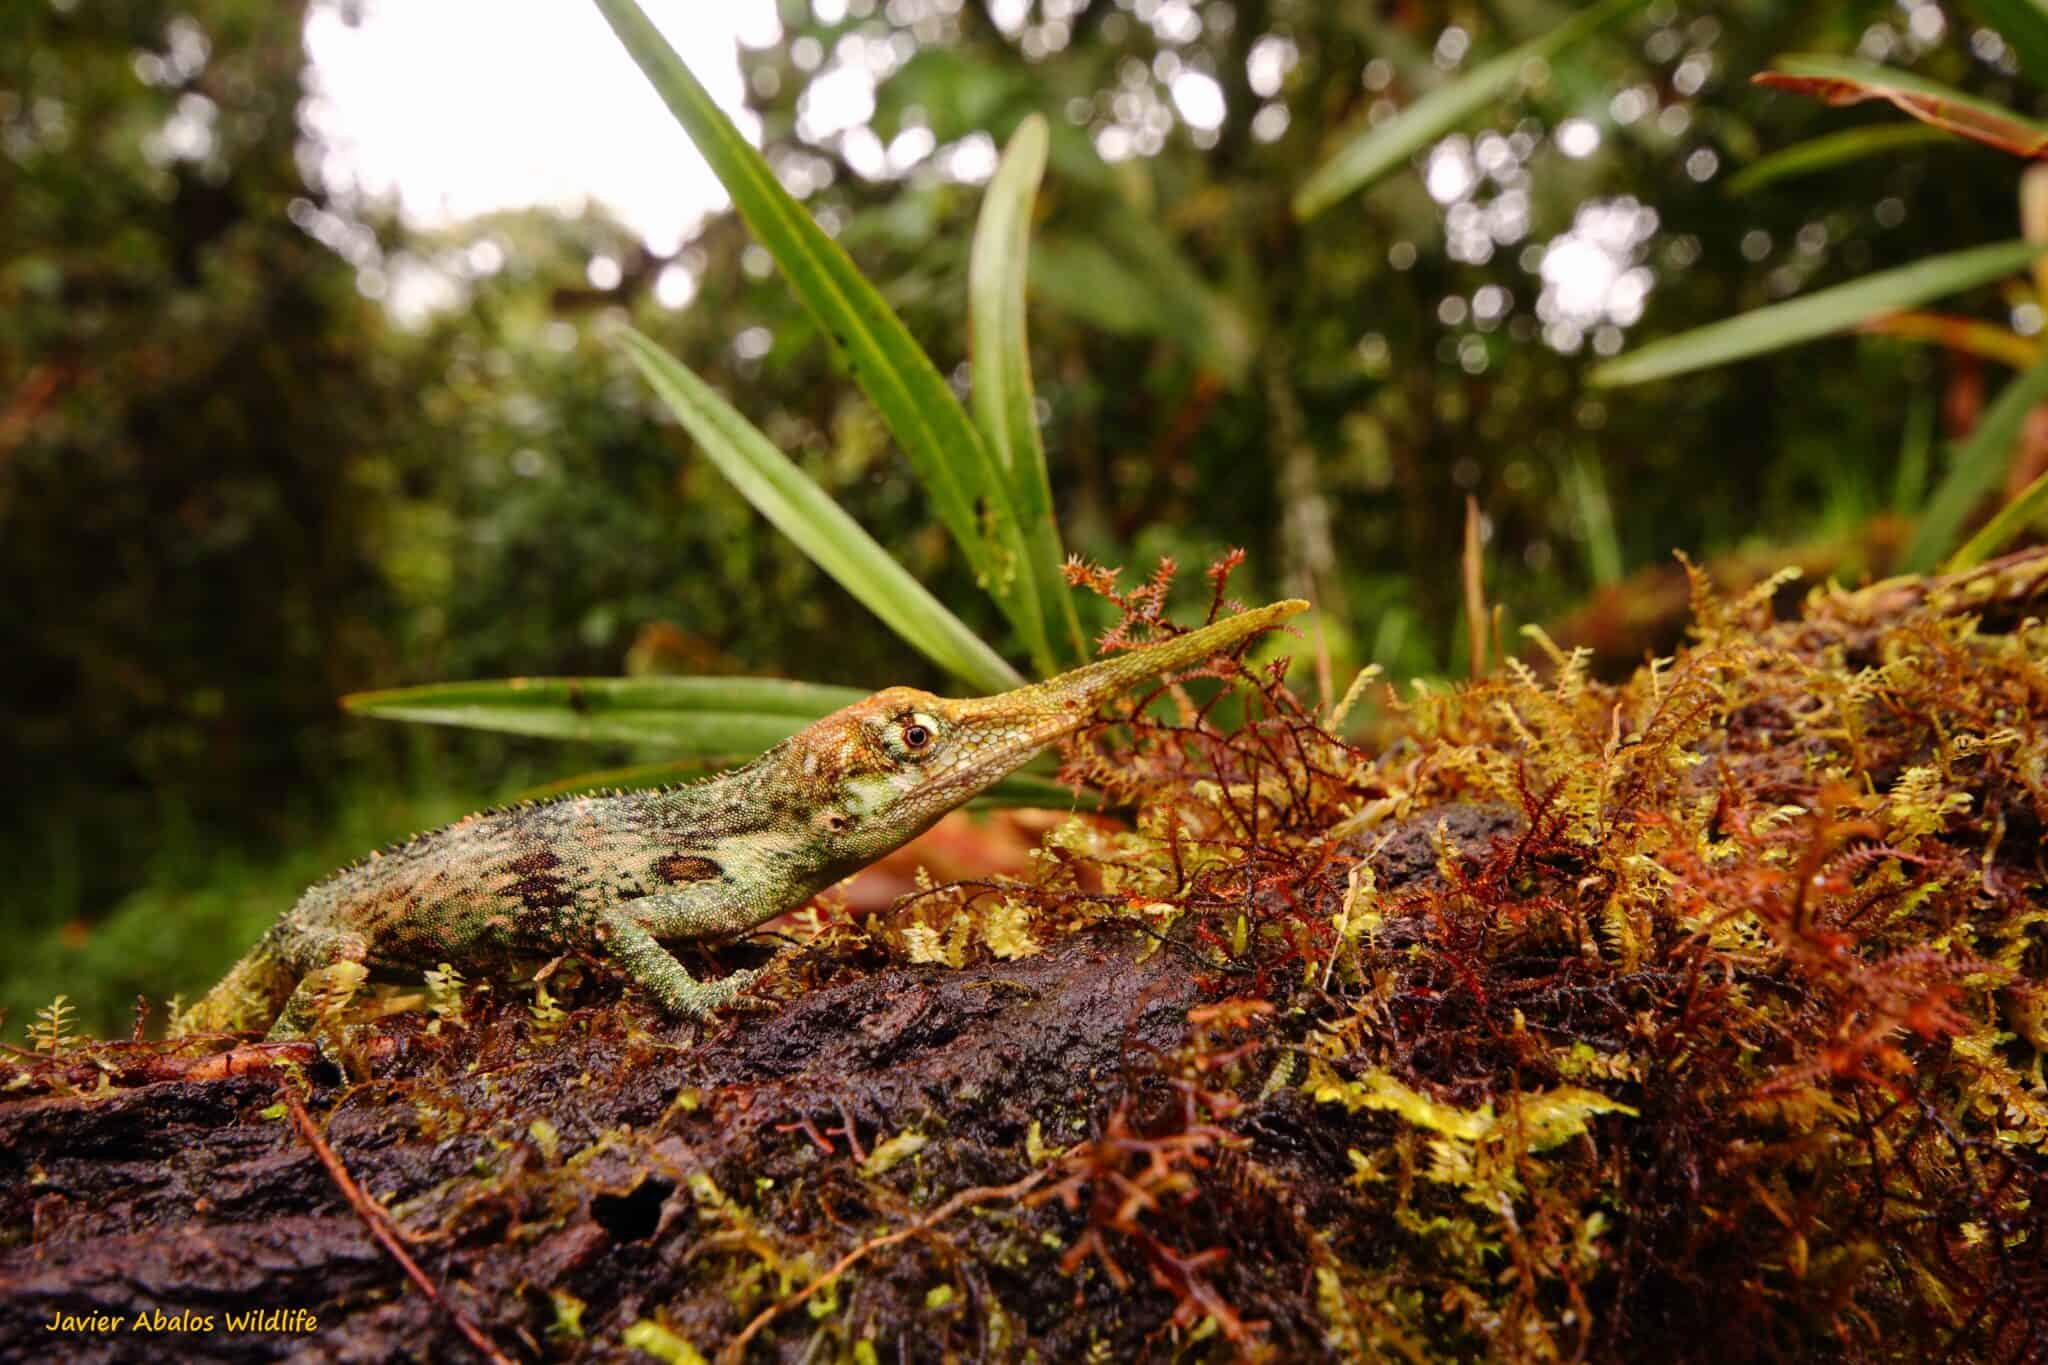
617	875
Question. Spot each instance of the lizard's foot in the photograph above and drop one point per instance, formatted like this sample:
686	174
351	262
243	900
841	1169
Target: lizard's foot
710	996
322	994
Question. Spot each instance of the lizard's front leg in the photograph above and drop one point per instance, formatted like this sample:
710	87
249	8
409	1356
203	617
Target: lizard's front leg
341	972
627	942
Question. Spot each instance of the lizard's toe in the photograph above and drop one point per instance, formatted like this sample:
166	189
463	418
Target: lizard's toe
727	990
706	998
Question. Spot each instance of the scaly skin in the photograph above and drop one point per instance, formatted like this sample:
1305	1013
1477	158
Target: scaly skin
617	876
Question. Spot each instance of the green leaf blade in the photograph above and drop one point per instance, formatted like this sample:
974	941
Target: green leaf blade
1587	488
821	528
1829	310
1004	402
1831	150
944	449
1979	464
1377	151
1843	80
691	716
2013	518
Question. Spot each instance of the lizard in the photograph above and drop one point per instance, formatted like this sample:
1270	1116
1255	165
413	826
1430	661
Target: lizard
617	876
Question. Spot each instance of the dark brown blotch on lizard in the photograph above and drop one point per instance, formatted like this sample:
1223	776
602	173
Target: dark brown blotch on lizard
533	861
679	869
539	886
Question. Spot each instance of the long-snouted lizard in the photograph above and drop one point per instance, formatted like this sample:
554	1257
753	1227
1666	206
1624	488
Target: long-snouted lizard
615	876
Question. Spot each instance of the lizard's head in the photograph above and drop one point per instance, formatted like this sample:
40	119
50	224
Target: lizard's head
881	771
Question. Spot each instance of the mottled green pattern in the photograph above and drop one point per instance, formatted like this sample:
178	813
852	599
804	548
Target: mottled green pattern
618	875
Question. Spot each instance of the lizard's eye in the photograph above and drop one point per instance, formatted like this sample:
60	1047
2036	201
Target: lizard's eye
914	736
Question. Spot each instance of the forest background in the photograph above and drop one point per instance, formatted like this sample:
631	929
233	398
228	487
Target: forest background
265	441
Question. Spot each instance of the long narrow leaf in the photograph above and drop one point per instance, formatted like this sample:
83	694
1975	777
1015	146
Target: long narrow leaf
691	716
820	527
1830	310
1985	340
2012	519
1595	511
1004	404
1035	790
1916	448
1376	151
946	453
1979	465
1831	150
1840	80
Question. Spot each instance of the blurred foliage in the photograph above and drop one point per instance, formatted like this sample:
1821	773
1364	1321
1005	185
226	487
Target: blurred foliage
232	487
1432	336
195	405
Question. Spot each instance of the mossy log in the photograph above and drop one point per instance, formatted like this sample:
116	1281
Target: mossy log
1698	1016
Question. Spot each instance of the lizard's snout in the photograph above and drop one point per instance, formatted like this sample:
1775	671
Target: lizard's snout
1075	695
996	728
1007	729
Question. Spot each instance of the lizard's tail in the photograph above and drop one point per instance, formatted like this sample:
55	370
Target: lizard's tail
248	997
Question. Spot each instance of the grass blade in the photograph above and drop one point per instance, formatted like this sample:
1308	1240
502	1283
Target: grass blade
1375	151
2012	519
1831	310
945	451
820	527
1831	150
1916	448
1840	81
1004	404
1985	340
1595	512
694	716
1979	464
